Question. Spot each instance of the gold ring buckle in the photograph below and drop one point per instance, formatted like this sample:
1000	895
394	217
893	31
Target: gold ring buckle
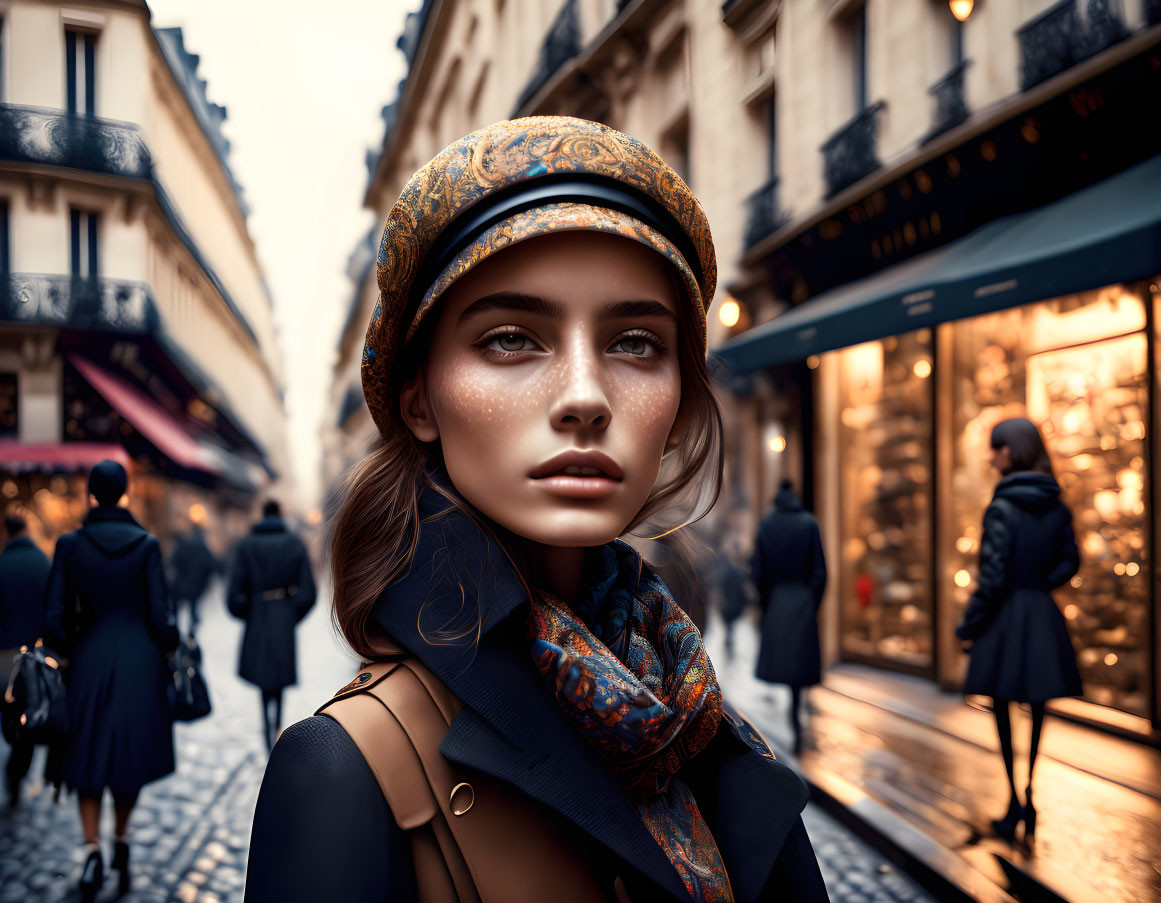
452	799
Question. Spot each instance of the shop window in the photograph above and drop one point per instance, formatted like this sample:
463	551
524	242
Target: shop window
9	410
886	610
1077	367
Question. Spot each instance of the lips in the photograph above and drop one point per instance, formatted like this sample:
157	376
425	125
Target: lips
579	474
578	463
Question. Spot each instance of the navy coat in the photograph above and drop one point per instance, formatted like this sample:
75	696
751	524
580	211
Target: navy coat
322	829
271	589
23	577
1022	650
191	566
789	570
107	610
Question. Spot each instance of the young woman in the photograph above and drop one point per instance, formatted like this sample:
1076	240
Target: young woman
108	610
1020	648
536	368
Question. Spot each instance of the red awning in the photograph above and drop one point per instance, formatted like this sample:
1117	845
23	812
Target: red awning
60	457
149	418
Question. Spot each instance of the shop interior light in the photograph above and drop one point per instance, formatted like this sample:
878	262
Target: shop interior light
197	513
777	444
963	578
730	312
813	361
1071	611
923	368
961	9
1111	659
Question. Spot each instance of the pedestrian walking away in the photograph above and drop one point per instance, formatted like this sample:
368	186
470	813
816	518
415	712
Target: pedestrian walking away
108	612
538	717
191	566
23	576
789	570
271	588
1019	643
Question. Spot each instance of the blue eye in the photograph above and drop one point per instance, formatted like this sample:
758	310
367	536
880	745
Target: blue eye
636	346
510	341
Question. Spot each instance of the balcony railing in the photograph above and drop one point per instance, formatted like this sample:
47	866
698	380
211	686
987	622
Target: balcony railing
560	45
950	107
764	216
1062	37
34	135
849	154
67	302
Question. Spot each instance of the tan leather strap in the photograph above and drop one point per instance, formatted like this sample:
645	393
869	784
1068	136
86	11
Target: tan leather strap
497	846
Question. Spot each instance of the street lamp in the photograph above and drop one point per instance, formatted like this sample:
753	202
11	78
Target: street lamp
961	9
730	312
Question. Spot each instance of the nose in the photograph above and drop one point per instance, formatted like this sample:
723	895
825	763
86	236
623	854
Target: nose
582	402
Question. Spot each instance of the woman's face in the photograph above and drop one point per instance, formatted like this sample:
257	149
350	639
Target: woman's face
552	384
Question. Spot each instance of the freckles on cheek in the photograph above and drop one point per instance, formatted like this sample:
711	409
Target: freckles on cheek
651	406
475	397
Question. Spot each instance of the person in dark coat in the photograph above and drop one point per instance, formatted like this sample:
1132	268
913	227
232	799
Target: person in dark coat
23	577
1019	642
789	570
108	611
271	589
191	565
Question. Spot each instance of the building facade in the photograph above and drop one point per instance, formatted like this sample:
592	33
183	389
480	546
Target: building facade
928	216
135	320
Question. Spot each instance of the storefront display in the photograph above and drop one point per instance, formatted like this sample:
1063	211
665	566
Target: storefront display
1077	367
886	610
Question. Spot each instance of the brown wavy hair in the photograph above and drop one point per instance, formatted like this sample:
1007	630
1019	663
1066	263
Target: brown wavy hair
374	534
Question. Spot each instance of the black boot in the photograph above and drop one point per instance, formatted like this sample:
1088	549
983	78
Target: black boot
121	865
1006	827
92	876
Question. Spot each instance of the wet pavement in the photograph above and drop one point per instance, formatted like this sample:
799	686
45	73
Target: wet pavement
922	768
190	831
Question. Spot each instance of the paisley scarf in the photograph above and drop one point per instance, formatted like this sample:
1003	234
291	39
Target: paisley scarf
629	670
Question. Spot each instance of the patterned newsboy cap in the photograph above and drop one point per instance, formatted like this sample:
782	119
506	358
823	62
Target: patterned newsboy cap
513	181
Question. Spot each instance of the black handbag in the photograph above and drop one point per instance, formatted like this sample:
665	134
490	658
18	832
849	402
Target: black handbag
189	695
35	709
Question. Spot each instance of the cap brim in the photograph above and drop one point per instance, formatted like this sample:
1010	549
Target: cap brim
558	217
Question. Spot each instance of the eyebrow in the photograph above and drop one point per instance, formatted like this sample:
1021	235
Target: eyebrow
534	304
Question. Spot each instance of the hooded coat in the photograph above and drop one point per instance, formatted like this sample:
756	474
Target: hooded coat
23	576
108	611
789	570
1021	649
271	589
323	829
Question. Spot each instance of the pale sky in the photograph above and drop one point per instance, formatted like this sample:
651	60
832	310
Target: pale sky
303	83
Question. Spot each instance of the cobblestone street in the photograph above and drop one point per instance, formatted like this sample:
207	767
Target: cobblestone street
191	830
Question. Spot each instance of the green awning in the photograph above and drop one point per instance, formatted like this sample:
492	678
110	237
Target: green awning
1106	233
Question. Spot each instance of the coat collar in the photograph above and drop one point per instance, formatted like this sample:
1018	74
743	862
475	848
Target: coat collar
269	525
458	611
23	541
105	514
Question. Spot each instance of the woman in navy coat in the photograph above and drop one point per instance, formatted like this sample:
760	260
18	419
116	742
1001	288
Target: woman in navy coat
1020	647
789	570
108	611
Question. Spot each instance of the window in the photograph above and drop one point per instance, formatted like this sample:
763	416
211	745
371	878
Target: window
80	72
83	257
9	410
772	138
5	261
859	56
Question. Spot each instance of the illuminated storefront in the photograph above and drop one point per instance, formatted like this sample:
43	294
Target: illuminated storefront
915	414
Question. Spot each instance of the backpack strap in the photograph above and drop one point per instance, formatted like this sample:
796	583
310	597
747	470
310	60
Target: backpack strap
464	831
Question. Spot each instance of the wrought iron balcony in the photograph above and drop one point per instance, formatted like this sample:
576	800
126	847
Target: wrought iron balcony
1061	37
849	154
67	302
560	45
56	138
764	216
950	107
